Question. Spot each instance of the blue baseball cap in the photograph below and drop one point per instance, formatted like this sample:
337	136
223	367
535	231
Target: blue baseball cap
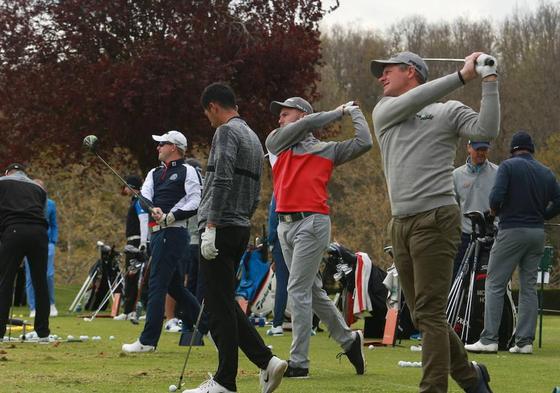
479	144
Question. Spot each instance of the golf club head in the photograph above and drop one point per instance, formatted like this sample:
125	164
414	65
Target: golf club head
86	319
90	142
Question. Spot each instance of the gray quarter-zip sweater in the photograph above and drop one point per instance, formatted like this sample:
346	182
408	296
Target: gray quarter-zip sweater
472	186
418	138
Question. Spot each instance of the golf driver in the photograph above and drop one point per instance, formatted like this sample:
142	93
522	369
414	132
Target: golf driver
487	60
193	336
90	142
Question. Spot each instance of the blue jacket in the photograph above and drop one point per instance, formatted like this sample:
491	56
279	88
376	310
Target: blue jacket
525	193
51	219
272	221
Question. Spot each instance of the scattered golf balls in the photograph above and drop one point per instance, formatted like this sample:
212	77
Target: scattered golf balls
111	337
84	338
371	347
172	388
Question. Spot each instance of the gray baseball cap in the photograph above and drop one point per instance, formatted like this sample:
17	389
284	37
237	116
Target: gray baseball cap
293	102
401	58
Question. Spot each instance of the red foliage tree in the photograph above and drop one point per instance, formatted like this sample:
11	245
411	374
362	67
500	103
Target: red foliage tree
125	69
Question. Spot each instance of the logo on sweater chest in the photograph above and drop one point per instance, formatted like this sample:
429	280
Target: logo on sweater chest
173	177
424	116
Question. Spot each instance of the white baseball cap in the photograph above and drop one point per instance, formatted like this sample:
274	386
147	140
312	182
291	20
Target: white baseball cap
174	137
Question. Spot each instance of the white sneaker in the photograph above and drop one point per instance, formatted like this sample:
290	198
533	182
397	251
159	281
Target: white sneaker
272	376
209	386
275	331
54	311
174	325
121	317
137	346
525	349
32	314
479	347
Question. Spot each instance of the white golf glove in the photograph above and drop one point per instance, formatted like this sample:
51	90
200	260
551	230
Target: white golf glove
208	244
486	65
166	219
348	107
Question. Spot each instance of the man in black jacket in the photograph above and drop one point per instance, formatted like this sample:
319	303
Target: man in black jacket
525	194
23	233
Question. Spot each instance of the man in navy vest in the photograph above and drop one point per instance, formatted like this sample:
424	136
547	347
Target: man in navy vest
174	189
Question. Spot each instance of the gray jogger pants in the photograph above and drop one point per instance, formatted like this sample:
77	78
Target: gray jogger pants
303	244
513	247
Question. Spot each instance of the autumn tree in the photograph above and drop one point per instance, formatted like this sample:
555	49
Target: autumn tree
126	69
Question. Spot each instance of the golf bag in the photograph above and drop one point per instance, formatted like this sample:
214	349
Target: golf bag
341	263
103	275
465	308
256	280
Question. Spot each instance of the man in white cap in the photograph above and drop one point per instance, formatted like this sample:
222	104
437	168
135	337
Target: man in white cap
418	138
174	189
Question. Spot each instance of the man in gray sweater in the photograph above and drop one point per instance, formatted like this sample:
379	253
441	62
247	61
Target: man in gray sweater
472	183
418	139
229	198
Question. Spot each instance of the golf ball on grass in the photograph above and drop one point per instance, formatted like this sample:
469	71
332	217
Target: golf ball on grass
111	337
371	347
172	388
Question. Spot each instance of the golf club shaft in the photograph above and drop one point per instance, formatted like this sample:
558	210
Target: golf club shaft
195	330
144	200
444	59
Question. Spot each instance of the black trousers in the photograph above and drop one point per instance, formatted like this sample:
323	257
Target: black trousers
17	242
229	326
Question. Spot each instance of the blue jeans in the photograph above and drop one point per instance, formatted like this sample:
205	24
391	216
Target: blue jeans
166	276
282	274
50	279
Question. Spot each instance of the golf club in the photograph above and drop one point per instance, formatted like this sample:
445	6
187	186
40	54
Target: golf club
195	330
487	61
90	142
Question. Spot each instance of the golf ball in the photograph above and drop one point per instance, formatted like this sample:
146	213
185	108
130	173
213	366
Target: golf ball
172	388
84	338
371	347
111	337
96	338
70	337
86	319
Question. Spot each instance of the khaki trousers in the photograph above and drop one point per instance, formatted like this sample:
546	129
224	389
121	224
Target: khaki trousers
424	247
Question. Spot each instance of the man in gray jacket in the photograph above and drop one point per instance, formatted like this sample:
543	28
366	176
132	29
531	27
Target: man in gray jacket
229	199
418	138
472	183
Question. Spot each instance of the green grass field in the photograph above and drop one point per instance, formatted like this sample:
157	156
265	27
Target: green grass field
101	367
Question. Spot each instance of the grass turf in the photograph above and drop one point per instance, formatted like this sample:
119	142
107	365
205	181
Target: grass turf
99	366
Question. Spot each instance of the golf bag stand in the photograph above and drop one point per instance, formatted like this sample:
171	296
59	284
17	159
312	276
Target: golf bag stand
465	302
100	278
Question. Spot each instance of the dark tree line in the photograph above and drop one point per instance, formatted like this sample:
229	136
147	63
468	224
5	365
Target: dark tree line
126	69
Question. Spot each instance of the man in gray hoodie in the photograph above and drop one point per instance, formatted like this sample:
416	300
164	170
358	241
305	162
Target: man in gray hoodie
418	139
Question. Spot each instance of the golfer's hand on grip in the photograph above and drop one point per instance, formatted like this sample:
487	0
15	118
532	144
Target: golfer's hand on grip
208	243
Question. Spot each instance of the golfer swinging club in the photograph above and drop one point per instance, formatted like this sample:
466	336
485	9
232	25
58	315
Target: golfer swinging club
301	174
418	139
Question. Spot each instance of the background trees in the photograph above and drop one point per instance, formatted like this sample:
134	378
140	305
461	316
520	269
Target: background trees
126	69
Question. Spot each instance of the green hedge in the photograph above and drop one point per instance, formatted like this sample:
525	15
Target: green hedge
551	298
